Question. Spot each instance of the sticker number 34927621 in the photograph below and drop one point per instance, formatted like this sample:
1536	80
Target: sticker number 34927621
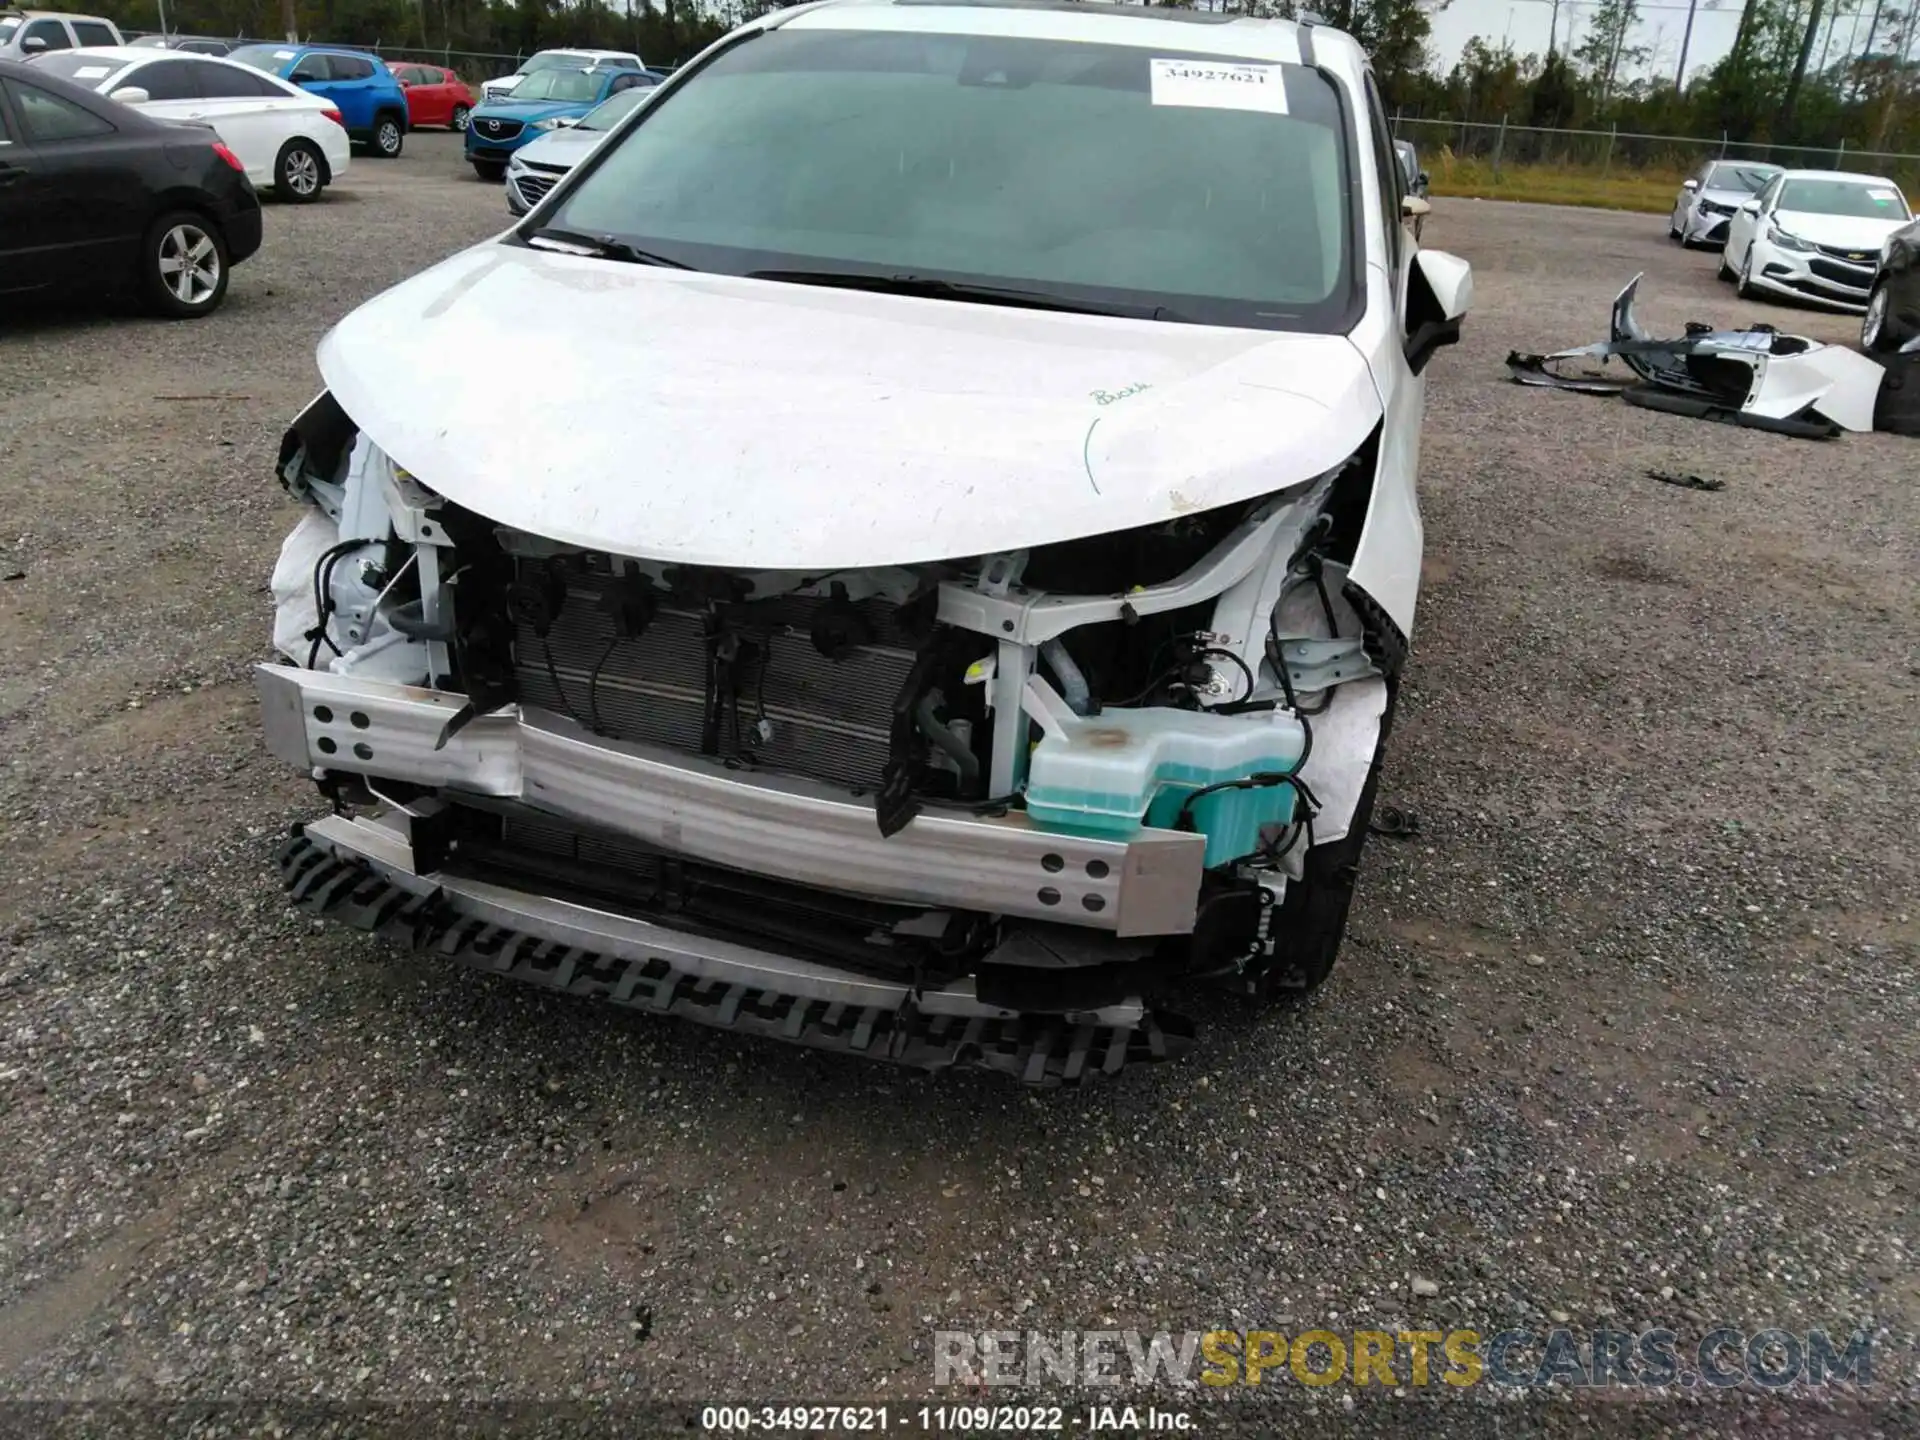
1219	85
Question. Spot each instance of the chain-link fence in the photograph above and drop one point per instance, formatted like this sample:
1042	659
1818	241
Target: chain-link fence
1500	144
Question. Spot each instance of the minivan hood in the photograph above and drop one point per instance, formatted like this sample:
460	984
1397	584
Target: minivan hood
1843	232
714	420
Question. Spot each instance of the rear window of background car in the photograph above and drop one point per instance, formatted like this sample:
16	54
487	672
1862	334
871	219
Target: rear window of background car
166	80
350	67
229	82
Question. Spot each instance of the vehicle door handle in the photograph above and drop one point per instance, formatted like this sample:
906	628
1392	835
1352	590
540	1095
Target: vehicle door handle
10	173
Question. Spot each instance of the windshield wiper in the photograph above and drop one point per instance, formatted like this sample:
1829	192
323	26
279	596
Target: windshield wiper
607	247
936	289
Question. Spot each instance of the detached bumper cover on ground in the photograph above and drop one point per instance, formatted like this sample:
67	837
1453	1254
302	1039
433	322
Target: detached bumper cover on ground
1757	378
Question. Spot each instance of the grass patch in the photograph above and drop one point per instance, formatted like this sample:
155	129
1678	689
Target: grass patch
1648	191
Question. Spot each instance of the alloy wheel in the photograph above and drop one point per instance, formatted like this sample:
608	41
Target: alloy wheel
189	264
1875	320
387	137
460	118
301	172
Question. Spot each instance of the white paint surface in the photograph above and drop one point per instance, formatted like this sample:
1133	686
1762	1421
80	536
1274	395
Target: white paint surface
708	419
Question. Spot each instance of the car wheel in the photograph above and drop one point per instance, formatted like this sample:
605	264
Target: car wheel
183	265
459	120
1673	232
1743	287
299	175
490	171
1878	333
388	137
1311	920
1725	272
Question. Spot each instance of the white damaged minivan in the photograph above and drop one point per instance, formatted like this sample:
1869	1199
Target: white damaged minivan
919	557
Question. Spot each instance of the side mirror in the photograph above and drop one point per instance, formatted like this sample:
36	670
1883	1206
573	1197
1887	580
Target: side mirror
303	77
131	95
1420	183
1689	185
1752	207
1439	292
1413	207
33	44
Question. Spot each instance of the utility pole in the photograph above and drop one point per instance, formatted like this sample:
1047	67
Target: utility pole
1613	64
289	22
1553	26
1686	39
1872	26
1784	124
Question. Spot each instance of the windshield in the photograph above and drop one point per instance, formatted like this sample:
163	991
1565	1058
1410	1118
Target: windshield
269	58
1097	173
1749	179
605	117
558	85
554	60
1856	199
80	67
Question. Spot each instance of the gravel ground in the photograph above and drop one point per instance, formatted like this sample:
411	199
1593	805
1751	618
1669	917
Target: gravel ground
1625	1036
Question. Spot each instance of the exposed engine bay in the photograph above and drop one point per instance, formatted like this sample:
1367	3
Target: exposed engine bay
1003	790
1758	377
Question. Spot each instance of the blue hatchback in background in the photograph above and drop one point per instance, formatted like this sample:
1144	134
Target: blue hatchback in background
370	101
541	103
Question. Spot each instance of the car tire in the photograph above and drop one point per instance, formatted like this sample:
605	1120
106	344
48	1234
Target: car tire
1879	332
389	136
299	173
1673	233
459	119
1725	272
1311	919
1743	284
183	265
490	171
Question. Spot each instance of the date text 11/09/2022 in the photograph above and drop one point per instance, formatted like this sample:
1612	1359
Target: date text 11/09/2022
943	1419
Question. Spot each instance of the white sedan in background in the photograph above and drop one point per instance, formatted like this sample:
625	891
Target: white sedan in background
1813	235
286	138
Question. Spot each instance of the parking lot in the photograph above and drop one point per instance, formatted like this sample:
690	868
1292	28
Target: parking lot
1627	1033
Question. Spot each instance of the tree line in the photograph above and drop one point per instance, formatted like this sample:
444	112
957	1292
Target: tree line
1781	83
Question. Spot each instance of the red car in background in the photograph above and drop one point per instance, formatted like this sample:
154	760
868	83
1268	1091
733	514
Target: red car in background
434	96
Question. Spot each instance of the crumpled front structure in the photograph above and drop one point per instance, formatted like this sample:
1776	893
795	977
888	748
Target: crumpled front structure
1756	377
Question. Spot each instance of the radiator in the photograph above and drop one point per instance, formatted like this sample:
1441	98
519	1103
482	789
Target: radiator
829	719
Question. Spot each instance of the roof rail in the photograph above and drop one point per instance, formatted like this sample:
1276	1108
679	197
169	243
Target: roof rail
1306	20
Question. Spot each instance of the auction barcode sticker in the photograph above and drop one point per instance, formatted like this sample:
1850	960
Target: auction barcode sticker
1219	85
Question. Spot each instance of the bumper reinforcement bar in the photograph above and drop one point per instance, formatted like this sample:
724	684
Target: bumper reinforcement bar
325	874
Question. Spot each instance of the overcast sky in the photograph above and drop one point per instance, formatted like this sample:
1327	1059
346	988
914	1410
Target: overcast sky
1662	22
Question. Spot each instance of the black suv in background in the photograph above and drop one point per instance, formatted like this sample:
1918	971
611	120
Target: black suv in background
1893	306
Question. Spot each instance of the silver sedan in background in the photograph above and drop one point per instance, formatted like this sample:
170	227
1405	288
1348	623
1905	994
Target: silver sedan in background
537	168
1709	196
